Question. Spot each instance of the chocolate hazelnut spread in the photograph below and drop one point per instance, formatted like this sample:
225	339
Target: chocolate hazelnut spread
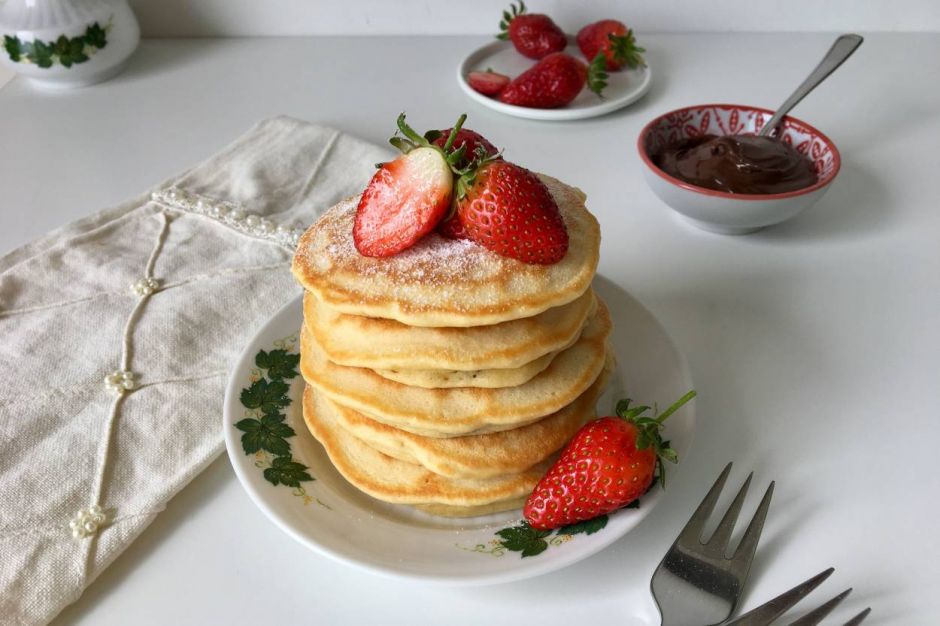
737	164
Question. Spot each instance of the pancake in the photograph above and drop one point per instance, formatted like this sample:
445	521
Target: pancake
387	344
445	282
477	456
463	410
391	480
446	510
490	379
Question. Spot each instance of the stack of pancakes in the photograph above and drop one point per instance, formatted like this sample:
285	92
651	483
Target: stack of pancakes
446	376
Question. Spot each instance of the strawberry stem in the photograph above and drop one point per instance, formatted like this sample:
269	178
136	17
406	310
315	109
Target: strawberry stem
453	133
648	430
675	406
625	49
409	132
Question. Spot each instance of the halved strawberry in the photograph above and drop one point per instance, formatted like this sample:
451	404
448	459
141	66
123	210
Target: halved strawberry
507	209
489	83
408	196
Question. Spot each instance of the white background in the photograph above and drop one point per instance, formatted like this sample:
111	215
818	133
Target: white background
267	18
161	18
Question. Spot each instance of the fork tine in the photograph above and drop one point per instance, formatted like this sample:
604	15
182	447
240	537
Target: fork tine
816	615
718	544
696	525
768	612
858	619
744	553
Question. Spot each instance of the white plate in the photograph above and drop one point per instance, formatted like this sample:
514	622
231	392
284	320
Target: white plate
333	518
623	88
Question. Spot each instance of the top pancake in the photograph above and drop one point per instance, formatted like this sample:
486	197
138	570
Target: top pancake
445	282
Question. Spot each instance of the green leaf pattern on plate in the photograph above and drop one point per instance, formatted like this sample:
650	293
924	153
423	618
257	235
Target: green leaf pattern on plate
265	432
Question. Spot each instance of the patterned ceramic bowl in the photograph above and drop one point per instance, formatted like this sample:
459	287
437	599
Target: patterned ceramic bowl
729	213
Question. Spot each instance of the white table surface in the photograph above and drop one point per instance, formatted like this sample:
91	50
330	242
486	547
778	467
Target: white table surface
815	345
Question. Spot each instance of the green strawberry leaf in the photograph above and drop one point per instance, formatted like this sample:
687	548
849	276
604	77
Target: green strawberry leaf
14	48
597	74
633	505
525	539
285	471
268	397
648	433
587	527
279	363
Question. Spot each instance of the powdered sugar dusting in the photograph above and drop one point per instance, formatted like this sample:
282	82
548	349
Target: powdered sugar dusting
434	260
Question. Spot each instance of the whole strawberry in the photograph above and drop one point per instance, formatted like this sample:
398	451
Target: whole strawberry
553	82
614	40
534	35
610	462
475	145
408	196
507	209
452	228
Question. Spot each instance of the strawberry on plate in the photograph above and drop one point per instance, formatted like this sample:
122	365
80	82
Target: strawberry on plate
534	35
507	209
489	83
408	196
610	462
614	40
554	82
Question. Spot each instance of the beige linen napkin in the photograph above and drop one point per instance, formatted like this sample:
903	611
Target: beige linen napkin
116	336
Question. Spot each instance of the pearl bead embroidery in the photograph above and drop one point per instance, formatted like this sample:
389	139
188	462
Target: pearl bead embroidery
231	215
120	381
145	286
87	521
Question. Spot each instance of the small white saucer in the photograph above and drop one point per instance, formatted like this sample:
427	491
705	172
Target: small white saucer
623	88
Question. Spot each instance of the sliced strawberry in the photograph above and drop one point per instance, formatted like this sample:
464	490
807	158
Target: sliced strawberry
489	83
507	209
403	202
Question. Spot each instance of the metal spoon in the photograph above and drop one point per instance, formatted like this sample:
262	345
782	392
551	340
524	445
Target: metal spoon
842	49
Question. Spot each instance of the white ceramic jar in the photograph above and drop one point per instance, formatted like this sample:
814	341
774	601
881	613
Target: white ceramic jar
67	43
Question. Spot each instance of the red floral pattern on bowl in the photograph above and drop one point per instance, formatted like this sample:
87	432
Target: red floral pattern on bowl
721	211
731	119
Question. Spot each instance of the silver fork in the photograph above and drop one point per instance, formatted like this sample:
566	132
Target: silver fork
697	584
765	614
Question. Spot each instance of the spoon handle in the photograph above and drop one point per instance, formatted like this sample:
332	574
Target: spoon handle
842	49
